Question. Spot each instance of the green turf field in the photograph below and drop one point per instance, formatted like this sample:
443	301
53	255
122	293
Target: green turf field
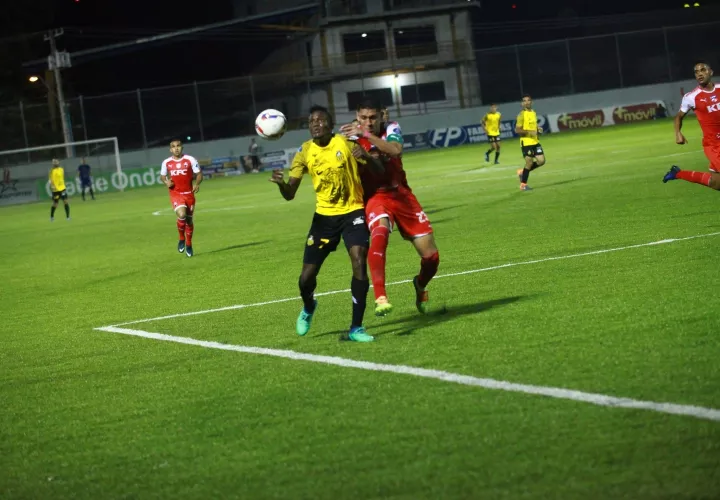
570	293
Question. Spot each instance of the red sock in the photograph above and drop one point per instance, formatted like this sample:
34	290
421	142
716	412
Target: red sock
428	268
181	228
696	177
376	259
188	234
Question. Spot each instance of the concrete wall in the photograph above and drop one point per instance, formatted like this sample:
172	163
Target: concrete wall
668	92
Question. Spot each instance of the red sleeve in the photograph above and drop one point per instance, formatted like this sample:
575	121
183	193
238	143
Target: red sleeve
364	143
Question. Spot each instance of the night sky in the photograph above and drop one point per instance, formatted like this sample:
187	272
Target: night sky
218	54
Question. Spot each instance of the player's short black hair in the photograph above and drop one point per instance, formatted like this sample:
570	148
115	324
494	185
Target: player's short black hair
370	104
527	95
322	109
702	61
176	139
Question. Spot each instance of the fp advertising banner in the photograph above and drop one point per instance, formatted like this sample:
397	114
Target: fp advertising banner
104	182
14	192
473	134
604	117
274	159
416	141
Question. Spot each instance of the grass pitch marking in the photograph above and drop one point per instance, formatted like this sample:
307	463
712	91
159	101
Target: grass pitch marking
449	275
456	378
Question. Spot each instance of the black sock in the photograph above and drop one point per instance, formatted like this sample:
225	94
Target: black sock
92	194
67	210
497	155
52	211
359	290
488	152
525	175
307	292
83	194
534	165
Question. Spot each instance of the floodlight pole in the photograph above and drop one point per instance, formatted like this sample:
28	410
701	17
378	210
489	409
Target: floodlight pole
58	60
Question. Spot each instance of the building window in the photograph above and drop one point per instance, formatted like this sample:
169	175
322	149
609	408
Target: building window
385	97
423	92
342	8
416	41
364	46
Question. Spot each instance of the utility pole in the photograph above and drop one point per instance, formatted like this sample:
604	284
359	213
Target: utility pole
56	61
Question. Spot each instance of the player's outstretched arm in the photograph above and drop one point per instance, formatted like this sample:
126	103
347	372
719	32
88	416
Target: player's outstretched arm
374	163
679	137
168	182
287	189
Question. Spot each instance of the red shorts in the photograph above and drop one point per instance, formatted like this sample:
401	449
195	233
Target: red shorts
402	209
713	154
183	200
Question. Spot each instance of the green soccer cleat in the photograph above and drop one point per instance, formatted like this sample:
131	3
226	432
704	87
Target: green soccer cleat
302	326
421	297
382	306
358	334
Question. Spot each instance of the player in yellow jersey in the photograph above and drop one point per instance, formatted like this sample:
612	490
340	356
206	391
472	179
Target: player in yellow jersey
57	186
333	163
491	124
528	130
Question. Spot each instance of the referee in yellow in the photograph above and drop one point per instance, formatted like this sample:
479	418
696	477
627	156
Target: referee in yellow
57	186
491	124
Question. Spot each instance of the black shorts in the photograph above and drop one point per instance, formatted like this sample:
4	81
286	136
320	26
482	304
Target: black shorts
85	182
326	231
533	150
57	195
493	138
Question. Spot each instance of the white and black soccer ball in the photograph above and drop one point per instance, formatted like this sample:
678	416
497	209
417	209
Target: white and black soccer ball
270	124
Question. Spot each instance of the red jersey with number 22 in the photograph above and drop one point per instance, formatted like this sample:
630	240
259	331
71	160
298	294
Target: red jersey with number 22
706	104
394	175
182	172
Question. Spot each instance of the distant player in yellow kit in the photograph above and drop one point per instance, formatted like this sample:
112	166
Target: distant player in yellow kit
491	124
528	129
57	186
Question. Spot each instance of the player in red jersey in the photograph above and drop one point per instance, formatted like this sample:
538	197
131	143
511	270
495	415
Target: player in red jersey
705	101
184	181
390	202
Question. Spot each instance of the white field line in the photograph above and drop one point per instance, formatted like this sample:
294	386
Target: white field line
461	273
486	383
169	211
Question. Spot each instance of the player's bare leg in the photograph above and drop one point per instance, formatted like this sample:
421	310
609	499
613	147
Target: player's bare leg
52	210
359	287
181	213
429	262
710	179
377	255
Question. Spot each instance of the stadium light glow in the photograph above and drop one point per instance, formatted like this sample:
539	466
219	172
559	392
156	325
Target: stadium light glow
33	79
364	35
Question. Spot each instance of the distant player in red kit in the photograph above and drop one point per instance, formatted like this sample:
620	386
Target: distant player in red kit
390	202
705	101
184	181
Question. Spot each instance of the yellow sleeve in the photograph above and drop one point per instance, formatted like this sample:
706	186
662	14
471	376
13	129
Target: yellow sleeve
299	164
484	119
520	122
499	117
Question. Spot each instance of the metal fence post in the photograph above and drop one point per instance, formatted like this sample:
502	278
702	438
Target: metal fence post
667	55
417	88
570	68
619	59
24	127
252	95
517	61
84	125
199	114
142	119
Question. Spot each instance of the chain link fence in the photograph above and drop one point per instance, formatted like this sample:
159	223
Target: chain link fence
204	111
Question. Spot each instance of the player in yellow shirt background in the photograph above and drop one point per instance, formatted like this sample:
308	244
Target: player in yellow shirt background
57	187
528	130
333	163
491	124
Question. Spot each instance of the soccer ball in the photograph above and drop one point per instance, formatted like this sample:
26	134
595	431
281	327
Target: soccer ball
270	124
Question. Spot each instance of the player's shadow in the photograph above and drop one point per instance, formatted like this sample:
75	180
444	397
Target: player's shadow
408	324
237	247
435	222
430	210
560	183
